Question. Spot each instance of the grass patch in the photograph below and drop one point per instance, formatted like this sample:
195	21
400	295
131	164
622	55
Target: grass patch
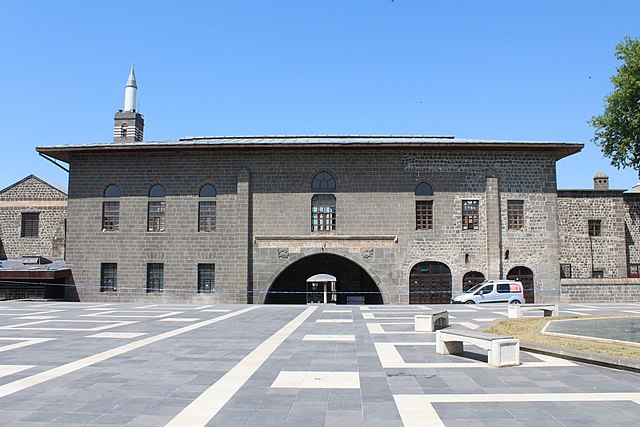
529	328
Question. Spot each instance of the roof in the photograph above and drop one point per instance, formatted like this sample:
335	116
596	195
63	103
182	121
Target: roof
15	184
561	149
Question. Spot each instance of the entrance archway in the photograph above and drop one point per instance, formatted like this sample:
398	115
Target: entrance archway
352	283
525	276
430	283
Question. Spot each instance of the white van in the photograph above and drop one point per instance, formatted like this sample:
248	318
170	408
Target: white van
510	291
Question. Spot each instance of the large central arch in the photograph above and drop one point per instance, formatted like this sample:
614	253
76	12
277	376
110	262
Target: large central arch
290	286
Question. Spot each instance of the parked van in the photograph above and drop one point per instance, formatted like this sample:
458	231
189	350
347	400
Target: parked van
510	291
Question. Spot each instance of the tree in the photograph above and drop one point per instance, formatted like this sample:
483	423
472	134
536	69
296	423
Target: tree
617	130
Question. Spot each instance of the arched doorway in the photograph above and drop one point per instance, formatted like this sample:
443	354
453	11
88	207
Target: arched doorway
430	283
352	283
525	276
470	279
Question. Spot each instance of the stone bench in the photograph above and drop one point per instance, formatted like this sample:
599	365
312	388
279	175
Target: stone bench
548	310
429	322
502	351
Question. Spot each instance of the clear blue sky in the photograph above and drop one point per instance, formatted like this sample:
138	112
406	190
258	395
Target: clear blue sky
474	69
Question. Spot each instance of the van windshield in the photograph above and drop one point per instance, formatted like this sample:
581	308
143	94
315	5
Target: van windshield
475	288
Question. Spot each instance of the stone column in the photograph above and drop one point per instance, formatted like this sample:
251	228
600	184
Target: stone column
494	231
243	206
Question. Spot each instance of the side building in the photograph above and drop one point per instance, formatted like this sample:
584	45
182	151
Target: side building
32	240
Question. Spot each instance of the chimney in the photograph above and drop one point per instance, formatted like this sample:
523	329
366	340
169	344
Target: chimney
601	182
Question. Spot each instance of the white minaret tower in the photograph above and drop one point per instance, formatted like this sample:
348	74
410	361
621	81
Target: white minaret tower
129	124
130	92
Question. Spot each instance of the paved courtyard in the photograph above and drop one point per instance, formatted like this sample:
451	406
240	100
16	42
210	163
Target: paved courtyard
232	365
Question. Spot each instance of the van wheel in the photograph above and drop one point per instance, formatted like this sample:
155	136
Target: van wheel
470	302
515	301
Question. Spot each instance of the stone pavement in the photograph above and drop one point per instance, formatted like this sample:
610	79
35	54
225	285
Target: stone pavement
233	365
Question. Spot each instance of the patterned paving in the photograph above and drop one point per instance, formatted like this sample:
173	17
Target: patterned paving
187	365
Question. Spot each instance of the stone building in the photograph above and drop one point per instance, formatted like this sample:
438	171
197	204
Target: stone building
392	219
32	239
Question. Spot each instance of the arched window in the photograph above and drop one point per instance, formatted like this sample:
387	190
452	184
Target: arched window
156	210
424	189
157	191
123	131
207	190
323	181
207	209
323	212
111	209
424	206
112	191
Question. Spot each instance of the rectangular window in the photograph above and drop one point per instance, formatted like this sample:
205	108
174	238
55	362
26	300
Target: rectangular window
594	227
110	216
424	214
206	278
323	212
634	270
29	226
156	217
597	274
565	271
470	209
108	277
515	214
155	277
206	216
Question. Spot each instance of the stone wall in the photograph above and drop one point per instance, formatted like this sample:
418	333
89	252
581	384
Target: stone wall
265	193
32	195
600	290
585	253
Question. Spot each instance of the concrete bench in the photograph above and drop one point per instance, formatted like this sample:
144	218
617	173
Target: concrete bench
429	322
502	351
548	310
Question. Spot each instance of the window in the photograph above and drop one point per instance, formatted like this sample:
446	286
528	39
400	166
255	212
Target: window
206	278
155	277
29	226
424	214
594	227
323	212
424	206
111	209
156	210
515	214
424	189
565	271
110	216
597	274
634	270
207	209
108	277
156	217
323	181
503	288
470	214
123	131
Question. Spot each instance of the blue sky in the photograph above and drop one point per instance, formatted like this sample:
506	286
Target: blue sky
474	69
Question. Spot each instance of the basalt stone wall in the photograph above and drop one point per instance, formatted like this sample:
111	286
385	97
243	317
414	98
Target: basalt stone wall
605	252
32	195
600	290
263	219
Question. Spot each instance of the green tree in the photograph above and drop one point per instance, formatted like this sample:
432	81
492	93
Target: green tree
617	129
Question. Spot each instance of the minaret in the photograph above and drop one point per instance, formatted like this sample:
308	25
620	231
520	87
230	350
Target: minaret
128	123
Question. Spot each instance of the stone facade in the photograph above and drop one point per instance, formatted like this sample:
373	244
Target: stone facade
263	215
32	195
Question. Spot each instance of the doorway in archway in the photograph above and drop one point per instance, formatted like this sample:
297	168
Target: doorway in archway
525	276
352	284
470	279
430	283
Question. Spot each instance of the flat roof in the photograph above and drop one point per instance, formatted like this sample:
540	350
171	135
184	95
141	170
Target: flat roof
561	149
